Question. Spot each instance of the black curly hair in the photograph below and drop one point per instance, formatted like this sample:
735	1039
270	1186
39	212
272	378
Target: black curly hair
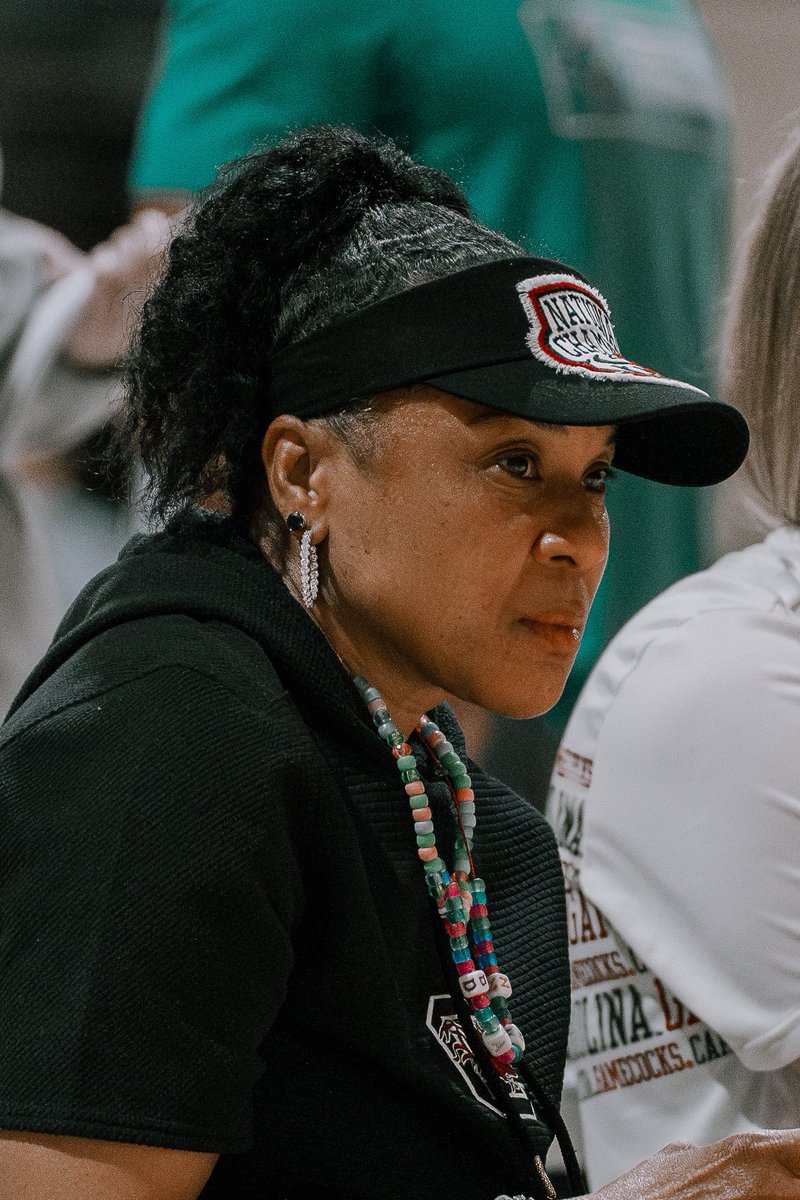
288	239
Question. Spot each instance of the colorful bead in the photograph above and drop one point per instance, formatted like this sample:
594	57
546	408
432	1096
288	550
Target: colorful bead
499	986
516	1037
474	984
460	898
432	864
498	1042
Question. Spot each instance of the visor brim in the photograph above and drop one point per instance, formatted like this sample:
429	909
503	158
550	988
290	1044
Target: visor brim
666	432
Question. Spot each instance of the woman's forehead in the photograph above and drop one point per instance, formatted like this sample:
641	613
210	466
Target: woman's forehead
483	415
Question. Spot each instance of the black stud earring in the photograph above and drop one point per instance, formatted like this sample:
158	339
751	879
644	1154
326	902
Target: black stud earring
296	522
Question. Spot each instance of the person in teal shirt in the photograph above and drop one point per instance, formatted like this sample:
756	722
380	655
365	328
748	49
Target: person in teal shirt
595	131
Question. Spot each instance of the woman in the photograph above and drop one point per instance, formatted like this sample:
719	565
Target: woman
223	973
696	705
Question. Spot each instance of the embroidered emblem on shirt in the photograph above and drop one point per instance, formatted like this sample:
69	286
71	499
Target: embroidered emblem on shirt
446	1028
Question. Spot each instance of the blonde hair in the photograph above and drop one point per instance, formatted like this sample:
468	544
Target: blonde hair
761	343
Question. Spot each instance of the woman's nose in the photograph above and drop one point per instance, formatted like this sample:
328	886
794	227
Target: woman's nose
582	543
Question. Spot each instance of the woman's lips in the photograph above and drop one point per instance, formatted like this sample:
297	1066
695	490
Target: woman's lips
559	631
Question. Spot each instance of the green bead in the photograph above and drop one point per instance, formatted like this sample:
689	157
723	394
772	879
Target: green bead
476	885
409	776
492	1025
420	801
462	781
449	760
396	738
407	762
434	867
499	1005
460	942
453	904
426	839
480	925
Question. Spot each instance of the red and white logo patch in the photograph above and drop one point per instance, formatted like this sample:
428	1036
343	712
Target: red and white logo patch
571	329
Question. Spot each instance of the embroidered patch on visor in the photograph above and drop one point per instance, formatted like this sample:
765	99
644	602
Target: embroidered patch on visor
571	329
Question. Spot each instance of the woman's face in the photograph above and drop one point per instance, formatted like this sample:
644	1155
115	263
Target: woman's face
463	554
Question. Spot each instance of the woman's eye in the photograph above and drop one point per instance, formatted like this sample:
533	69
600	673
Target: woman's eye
520	465
598	479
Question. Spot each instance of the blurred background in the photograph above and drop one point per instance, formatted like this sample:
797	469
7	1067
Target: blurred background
73	74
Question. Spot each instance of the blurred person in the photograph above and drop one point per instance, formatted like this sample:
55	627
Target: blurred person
595	132
676	792
64	320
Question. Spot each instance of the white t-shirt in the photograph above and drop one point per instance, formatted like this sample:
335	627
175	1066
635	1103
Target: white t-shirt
676	800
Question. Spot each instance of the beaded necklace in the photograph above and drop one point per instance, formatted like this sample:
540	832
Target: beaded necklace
461	896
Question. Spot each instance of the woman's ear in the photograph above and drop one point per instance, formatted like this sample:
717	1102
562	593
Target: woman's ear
295	454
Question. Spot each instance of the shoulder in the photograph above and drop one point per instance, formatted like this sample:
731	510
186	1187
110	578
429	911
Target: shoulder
154	657
164	714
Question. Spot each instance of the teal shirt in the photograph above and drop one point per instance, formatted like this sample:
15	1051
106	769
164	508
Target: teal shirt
596	131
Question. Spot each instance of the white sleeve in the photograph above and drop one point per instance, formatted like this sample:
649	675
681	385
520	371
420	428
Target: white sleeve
692	835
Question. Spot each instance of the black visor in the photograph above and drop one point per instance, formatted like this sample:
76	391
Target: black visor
527	336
